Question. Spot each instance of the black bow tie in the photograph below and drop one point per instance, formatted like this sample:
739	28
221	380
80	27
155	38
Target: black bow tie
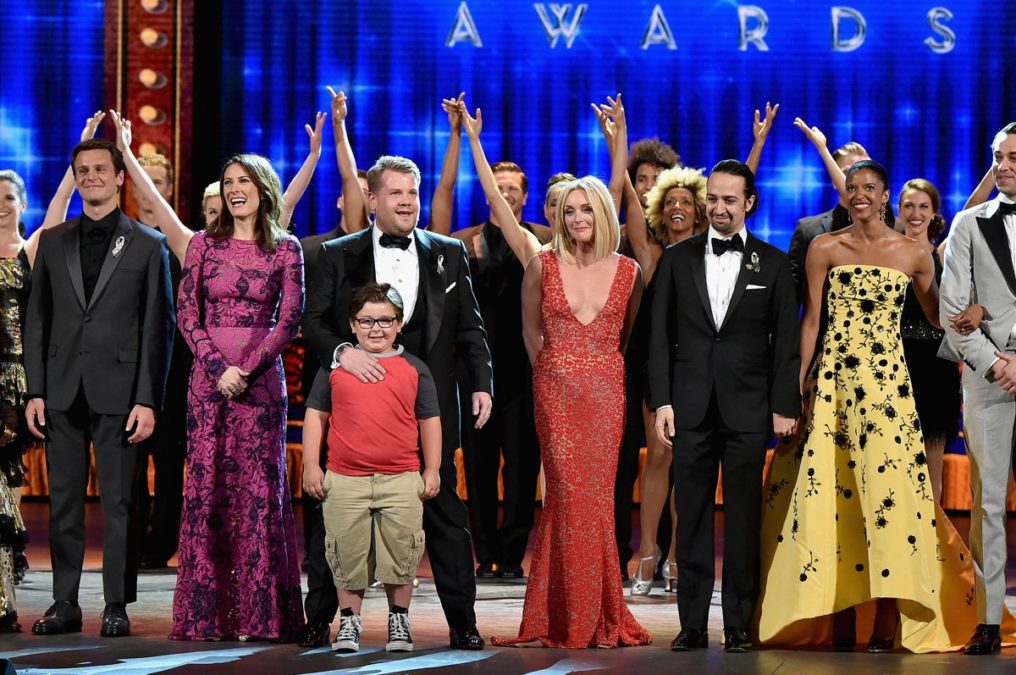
721	246
395	241
1006	208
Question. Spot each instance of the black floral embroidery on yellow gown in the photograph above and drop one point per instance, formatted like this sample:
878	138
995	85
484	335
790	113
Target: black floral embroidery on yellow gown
849	514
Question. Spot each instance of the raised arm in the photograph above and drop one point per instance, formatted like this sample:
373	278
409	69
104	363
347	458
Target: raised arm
296	187
615	128
761	129
982	192
442	202
177	234
57	211
523	243
818	139
354	203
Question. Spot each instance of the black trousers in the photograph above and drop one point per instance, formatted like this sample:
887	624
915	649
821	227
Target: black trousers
70	433
510	432
160	515
698	454
448	548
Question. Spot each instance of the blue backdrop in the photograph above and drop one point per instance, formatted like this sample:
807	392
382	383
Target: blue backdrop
922	110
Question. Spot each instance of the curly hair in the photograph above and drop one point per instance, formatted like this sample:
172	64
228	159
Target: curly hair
651	151
692	180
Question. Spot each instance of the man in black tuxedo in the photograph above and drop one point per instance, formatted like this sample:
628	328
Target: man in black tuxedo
834	219
442	324
98	335
723	374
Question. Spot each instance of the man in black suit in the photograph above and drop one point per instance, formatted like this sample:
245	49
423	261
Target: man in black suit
834	219
442	324
497	280
723	374
98	334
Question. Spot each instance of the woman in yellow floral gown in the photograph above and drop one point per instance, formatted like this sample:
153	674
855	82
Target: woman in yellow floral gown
850	520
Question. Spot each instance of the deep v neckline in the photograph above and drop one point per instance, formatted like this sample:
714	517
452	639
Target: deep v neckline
564	295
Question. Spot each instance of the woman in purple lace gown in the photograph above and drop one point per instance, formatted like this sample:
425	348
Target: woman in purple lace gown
239	305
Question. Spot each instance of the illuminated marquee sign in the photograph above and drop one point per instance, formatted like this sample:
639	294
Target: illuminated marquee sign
562	23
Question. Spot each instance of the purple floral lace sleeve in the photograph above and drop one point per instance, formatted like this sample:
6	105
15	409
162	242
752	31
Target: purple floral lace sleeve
190	301
290	259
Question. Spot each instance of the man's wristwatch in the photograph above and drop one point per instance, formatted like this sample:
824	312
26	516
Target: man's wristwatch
337	354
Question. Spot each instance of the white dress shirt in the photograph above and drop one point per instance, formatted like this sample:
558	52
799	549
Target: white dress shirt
721	273
399	268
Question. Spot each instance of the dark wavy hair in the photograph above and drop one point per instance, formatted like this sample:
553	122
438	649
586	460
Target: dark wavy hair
267	231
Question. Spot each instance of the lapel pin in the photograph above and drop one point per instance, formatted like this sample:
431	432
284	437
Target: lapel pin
754	263
440	263
118	246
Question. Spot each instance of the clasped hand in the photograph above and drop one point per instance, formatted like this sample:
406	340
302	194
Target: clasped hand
233	382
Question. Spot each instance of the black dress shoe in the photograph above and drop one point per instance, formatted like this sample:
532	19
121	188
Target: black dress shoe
511	572
9	623
881	645
62	617
467	638
736	641
986	640
150	564
689	639
485	571
114	621
314	634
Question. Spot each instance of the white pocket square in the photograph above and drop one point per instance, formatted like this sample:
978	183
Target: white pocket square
754	287
447	290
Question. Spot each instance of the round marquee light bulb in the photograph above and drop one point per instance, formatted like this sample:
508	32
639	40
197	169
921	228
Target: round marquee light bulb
152	79
151	115
147	148
153	38
154	6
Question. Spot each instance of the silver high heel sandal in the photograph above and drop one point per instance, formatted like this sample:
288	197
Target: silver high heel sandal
670	585
640	586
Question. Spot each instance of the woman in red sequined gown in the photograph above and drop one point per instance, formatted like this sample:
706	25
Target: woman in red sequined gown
579	299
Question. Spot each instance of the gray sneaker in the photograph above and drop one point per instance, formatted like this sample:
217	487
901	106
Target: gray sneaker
347	639
399	637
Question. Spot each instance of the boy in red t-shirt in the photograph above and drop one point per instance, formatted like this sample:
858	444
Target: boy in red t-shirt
373	489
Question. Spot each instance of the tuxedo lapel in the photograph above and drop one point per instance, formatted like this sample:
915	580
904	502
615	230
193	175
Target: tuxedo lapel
122	235
743	275
72	250
698	273
993	230
360	259
432	278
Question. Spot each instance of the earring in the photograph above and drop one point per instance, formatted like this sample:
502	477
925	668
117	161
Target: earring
885	213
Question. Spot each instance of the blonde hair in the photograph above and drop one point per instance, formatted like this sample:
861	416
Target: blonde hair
212	190
606	229
156	159
692	180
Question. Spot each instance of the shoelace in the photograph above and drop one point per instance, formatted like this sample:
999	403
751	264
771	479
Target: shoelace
349	628
398	627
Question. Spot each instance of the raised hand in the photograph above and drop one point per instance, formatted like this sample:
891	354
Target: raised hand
315	133
606	125
814	134
124	135
453	106
472	125
761	129
339	107
614	109
91	125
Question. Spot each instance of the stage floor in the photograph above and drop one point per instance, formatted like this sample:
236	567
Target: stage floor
498	608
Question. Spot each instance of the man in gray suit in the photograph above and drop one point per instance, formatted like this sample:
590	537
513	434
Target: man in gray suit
834	219
979	267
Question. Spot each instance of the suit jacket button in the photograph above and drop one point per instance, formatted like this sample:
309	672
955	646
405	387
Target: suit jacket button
717	339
